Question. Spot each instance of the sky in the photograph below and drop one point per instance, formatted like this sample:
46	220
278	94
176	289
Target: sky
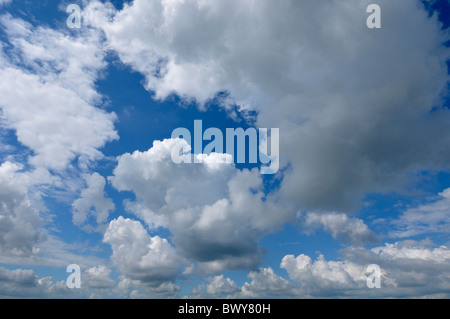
87	175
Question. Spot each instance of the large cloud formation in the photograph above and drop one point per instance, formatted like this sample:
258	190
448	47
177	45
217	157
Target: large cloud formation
215	212
357	108
50	101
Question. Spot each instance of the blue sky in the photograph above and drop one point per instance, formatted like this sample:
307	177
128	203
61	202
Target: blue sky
86	117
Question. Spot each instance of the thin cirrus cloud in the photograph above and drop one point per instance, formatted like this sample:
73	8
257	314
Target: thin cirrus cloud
149	260
4	2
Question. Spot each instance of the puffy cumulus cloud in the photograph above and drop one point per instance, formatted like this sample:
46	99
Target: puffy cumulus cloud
49	100
151	261
20	224
93	203
340	226
353	104
219	285
216	213
216	287
266	284
158	181
408	269
73	62
24	283
429	218
98	277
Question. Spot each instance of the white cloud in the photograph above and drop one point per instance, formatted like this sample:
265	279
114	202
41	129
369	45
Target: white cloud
352	104
219	285
266	284
54	252
5	2
24	283
98	277
432	217
408	269
20	223
73	62
25	277
93	203
216	213
158	181
412	250
321	276
216	287
140	257
136	289
340	226
50	102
